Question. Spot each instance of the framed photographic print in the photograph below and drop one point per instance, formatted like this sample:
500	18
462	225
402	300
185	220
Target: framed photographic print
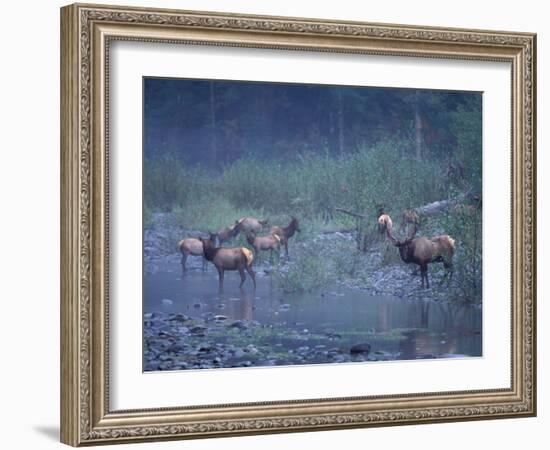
275	224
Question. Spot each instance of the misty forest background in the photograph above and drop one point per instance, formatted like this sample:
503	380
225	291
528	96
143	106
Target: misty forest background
215	151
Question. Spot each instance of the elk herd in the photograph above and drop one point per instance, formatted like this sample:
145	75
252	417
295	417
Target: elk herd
418	250
238	258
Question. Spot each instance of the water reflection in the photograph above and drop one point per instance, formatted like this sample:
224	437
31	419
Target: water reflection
414	329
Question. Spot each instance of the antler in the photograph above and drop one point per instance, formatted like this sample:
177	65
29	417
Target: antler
392	237
408	239
413	233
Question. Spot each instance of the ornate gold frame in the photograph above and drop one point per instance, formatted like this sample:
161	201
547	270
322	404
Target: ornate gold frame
86	31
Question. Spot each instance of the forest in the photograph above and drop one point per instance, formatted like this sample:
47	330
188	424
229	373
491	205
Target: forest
329	163
215	151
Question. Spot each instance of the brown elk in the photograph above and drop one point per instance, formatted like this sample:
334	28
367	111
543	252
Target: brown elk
247	224
226	258
285	233
228	233
385	223
409	217
191	246
423	251
264	243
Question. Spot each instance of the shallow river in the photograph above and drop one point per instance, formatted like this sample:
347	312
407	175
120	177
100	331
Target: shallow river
408	329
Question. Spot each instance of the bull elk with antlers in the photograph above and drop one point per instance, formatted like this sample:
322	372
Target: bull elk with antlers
423	251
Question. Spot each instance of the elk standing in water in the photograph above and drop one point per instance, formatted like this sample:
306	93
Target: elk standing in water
423	251
228	233
285	233
225	258
259	243
246	224
191	246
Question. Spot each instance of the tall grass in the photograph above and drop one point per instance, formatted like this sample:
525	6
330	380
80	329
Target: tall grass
308	186
464	225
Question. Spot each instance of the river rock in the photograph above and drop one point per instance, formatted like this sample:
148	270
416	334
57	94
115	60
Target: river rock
176	348
198	330
179	318
363	348
239	324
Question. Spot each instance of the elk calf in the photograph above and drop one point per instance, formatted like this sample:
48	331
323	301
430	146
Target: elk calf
191	246
423	251
264	243
225	258
285	233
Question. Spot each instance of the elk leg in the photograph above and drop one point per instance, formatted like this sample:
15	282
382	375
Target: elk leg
424	274
286	249
448	271
183	260
252	275
243	276
220	274
203	263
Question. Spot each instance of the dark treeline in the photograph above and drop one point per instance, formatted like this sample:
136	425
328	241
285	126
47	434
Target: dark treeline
214	123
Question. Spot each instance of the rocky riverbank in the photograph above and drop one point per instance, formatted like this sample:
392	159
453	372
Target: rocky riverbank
328	262
179	341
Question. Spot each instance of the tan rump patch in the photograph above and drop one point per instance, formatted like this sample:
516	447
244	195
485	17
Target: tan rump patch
452	241
249	256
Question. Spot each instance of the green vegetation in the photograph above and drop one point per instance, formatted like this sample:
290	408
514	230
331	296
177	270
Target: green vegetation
310	271
309	186
464	224
216	151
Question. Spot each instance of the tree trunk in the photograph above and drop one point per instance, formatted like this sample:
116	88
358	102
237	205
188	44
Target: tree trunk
340	122
418	126
213	125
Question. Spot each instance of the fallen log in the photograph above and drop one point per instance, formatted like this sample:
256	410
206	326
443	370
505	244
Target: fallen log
440	206
430	209
340	230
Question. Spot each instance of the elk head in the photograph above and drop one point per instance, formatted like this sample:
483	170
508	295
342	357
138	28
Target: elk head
405	246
